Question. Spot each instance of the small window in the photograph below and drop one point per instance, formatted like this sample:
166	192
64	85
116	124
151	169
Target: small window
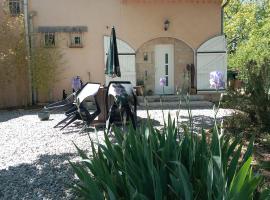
15	7
76	40
49	40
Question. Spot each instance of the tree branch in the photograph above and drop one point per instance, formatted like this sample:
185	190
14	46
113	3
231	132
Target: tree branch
225	3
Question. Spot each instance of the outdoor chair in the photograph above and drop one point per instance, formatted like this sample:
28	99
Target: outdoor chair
80	110
121	103
61	105
65	104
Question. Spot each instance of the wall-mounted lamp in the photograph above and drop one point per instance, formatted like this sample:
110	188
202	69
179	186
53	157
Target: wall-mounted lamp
145	56
166	25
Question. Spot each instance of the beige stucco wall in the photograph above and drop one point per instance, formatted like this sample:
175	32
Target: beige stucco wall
183	55
136	23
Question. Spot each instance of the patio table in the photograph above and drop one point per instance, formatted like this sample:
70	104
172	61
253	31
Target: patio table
101	98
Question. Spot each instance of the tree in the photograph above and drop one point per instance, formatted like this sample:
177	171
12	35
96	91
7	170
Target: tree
45	65
13	55
247	27
13	59
45	62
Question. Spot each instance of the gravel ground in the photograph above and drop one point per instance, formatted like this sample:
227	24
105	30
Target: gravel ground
34	155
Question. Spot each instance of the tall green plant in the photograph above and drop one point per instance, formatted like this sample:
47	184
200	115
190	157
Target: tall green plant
166	164
45	64
13	55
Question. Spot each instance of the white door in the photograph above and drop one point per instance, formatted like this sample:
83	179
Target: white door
126	61
209	62
211	56
164	68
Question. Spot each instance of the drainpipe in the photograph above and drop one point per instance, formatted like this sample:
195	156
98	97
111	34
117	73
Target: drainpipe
222	20
222	15
27	41
31	15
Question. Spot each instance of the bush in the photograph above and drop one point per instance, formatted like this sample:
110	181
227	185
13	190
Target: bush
255	101
153	164
258	91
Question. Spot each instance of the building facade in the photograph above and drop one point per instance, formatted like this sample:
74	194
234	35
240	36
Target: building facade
179	40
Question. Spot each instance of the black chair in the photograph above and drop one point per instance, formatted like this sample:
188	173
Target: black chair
80	110
65	104
61	105
68	105
121	103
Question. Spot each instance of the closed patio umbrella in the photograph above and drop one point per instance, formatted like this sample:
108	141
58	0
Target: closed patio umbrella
112	64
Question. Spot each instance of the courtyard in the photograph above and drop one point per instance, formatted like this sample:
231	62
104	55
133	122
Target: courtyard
34	156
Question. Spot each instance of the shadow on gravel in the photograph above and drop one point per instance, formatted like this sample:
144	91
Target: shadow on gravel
8	115
200	121
145	120
46	178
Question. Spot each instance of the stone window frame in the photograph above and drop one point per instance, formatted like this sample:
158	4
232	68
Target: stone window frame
47	41
74	37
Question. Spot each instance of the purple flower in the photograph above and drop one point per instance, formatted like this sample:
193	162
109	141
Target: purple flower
76	83
216	80
162	81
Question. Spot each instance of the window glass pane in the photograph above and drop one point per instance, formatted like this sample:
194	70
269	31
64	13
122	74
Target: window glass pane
77	40
166	58
167	80
166	70
49	39
18	9
14	7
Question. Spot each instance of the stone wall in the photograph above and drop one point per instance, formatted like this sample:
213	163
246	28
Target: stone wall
145	69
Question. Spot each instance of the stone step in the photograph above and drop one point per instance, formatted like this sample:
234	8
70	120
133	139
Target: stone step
175	105
170	98
169	101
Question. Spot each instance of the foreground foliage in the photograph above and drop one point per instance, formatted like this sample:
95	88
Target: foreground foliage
166	164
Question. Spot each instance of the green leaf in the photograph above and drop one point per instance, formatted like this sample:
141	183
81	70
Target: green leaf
233	165
239	179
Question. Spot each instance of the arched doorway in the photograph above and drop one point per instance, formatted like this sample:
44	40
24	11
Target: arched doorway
126	59
164	58
211	56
